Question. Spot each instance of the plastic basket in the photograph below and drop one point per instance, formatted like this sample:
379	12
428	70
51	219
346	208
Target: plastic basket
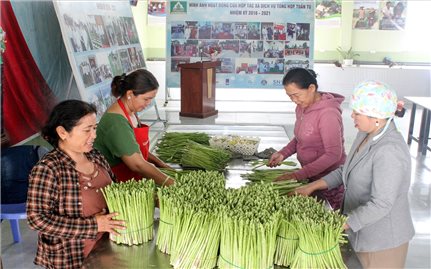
244	145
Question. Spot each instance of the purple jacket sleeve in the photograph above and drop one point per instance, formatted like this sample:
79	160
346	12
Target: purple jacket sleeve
331	132
289	149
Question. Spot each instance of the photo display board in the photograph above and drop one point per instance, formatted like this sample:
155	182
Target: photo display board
255	41
102	42
379	15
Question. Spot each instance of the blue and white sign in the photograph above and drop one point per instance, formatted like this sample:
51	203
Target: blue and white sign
256	41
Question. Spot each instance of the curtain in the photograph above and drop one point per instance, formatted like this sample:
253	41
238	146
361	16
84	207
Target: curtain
26	97
37	21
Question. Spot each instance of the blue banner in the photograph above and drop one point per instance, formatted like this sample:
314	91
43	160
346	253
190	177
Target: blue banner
255	41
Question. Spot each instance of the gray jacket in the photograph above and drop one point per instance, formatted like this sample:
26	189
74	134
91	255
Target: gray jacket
376	181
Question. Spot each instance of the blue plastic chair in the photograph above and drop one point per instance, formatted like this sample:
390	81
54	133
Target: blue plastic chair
16	164
13	213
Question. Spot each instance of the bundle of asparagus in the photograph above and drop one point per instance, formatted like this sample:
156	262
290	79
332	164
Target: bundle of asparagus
269	175
134	201
287	237
190	209
320	233
168	202
204	157
250	222
166	205
197	221
171	145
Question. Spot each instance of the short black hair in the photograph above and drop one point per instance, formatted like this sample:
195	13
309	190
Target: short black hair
66	114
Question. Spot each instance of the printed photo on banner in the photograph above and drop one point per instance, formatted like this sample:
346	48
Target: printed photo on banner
182	48
101	41
246	66
176	61
273	49
207	47
297	49
222	30
227	66
241	30
157	8
191	30
267	31
365	15
392	15
270	66
303	31
328	13
280	31
156	11
253	50
296	63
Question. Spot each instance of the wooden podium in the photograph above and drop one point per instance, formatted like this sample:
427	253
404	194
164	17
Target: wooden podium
198	89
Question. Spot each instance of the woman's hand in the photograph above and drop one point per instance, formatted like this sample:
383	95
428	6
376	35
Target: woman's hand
105	223
168	182
346	227
285	176
308	189
305	190
275	159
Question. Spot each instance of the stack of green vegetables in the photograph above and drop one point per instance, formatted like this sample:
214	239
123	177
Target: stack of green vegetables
320	233
174	173
168	197
189	226
269	175
287	237
170	148
250	222
196	155
167	203
134	201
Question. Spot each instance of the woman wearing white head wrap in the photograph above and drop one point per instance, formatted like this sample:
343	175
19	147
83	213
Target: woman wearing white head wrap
376	178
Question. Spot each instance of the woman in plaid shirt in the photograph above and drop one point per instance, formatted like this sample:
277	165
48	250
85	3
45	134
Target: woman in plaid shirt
64	201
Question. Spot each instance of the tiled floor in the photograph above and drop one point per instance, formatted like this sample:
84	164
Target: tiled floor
273	122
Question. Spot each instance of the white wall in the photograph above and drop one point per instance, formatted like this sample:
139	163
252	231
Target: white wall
406	81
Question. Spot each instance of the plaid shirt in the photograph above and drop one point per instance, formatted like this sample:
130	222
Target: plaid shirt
54	208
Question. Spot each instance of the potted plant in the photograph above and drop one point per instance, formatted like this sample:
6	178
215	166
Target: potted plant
347	55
